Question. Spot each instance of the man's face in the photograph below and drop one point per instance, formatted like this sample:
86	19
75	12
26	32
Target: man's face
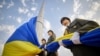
50	33
43	42
65	22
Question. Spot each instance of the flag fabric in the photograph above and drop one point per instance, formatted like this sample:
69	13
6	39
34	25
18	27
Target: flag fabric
53	46
91	38
23	41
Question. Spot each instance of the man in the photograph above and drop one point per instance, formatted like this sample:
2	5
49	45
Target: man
80	26
51	38
43	53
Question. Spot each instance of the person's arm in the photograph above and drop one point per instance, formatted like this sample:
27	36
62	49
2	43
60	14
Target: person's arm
87	27
48	41
51	39
42	46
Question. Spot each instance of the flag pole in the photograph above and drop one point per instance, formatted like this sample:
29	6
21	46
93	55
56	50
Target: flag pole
40	24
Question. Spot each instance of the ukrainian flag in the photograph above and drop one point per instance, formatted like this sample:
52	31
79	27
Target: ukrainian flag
23	41
91	38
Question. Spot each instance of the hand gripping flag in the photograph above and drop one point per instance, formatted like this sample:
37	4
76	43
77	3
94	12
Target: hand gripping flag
23	41
91	38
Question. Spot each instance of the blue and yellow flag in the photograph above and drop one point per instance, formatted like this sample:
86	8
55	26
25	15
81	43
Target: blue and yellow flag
23	41
91	38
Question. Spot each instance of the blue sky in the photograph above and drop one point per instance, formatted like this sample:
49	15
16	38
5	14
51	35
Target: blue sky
14	13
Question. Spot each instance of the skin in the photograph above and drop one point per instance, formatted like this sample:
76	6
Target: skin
50	33
43	42
65	22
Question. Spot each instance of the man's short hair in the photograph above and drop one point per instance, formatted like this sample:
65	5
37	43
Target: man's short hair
43	39
65	18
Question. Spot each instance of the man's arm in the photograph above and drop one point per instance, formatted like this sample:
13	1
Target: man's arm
87	27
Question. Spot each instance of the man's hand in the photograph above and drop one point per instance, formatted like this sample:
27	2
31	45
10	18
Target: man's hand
76	38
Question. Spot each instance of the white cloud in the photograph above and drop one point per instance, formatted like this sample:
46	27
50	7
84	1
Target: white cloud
89	14
88	0
7	28
30	15
1	6
81	16
23	2
76	8
23	10
93	10
34	2
11	4
10	16
64	1
47	25
33	8
3	2
73	17
95	6
19	20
